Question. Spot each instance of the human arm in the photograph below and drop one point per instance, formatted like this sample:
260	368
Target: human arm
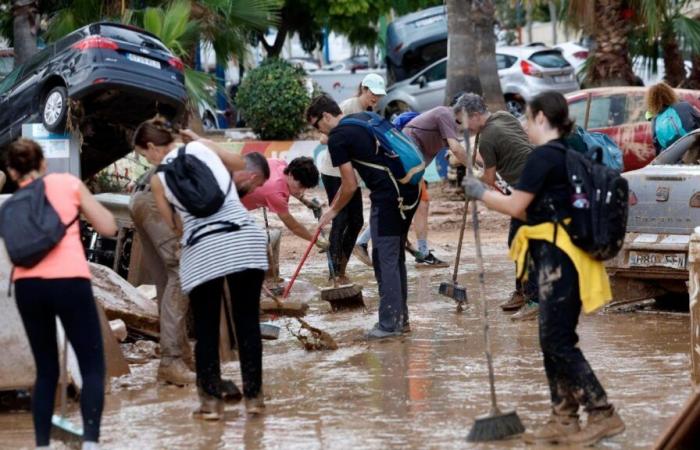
99	217
489	176
514	205
294	226
232	161
457	150
348	186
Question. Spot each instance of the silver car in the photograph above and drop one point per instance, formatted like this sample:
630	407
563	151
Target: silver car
523	71
664	208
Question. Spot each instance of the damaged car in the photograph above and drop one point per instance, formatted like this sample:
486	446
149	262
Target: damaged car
103	79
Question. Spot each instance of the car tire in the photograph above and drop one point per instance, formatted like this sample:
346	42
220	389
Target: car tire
208	122
515	106
54	109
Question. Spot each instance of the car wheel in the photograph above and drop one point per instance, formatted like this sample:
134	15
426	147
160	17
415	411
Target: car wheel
394	109
54	109
515	106
208	122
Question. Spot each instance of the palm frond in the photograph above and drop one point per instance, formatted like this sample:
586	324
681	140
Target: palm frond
200	87
687	31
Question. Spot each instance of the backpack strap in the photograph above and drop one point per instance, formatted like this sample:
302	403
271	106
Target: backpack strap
227	226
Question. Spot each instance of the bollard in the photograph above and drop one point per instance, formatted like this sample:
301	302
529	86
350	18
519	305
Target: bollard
694	297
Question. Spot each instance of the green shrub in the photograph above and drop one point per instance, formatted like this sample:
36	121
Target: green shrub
273	98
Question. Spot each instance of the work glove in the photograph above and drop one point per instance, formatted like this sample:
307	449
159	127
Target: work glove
322	243
473	188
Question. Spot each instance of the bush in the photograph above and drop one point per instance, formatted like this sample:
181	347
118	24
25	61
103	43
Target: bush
273	98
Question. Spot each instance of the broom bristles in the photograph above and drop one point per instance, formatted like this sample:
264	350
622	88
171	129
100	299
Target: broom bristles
65	431
345	296
495	427
454	291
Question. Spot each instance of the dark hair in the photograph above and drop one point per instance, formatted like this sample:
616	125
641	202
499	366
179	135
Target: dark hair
304	171
554	107
255	161
24	156
322	104
157	131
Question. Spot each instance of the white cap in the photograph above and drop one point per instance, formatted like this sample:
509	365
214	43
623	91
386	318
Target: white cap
375	83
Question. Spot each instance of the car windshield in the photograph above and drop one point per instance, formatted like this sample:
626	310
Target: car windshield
132	37
685	151
550	59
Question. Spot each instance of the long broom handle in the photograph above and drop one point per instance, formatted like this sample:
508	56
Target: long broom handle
301	264
64	375
461	239
482	283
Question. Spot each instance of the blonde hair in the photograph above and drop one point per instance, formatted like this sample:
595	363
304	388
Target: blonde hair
659	97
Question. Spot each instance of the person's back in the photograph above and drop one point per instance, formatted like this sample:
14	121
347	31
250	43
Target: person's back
503	144
431	130
672	123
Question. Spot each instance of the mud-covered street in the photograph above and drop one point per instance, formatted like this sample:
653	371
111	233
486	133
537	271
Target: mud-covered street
418	392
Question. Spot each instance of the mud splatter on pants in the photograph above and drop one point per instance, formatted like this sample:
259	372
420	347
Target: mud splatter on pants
572	382
346	225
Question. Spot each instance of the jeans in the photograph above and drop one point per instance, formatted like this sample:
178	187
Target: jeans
206	298
571	379
39	301
346	225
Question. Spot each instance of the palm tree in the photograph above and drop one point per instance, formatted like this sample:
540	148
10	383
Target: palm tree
462	73
24	29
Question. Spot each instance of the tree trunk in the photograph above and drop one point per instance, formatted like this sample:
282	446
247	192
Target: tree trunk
483	17
553	20
610	63
528	20
462	72
274	50
24	29
673	60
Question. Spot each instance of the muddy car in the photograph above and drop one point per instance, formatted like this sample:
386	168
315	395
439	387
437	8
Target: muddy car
664	208
105	77
620	113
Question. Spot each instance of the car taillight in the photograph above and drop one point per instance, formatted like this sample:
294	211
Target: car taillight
583	54
695	200
529	69
632	200
95	42
176	63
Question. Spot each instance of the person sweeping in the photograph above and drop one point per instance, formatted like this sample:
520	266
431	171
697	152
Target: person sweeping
568	277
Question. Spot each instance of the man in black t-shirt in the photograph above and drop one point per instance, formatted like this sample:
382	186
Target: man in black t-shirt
348	144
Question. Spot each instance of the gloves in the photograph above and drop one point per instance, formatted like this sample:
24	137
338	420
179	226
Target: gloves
322	243
473	188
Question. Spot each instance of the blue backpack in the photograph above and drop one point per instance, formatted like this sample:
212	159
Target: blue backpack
668	127
601	146
402	119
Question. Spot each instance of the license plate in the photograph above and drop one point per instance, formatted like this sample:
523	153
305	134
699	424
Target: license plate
143	60
646	259
562	78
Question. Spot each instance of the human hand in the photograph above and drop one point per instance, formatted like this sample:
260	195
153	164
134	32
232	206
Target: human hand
473	188
327	217
188	135
323	243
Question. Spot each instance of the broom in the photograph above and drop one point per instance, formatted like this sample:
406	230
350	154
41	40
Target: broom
496	424
452	289
63	429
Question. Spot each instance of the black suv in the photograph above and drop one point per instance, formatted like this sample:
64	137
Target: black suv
108	77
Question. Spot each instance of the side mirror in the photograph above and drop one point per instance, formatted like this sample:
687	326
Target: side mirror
422	81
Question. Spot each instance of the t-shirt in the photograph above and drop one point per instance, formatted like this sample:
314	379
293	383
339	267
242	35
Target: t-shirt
67	258
431	130
351	105
347	143
545	176
274	194
503	144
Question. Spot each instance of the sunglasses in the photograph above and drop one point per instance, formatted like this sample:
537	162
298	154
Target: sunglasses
459	122
315	124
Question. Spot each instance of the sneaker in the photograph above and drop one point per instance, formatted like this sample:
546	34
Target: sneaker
377	333
556	430
230	392
528	312
210	408
600	425
429	260
255	405
175	372
516	301
360	251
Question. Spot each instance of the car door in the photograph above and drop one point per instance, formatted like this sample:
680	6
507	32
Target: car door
24	95
7	114
430	87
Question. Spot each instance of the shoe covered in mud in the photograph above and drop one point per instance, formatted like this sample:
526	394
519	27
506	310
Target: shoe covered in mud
361	252
516	301
274	287
556	430
210	407
230	392
601	424
528	312
429	260
255	405
377	333
175	372
406	328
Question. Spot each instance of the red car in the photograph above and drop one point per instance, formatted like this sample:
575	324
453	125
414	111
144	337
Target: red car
619	112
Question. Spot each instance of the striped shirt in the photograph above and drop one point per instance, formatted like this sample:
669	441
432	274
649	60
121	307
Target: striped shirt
218	254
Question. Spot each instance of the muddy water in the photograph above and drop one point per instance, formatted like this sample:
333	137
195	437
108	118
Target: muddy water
419	392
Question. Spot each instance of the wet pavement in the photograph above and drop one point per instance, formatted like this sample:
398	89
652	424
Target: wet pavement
418	392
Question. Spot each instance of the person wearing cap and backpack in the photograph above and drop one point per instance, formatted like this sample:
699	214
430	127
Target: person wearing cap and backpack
671	118
354	143
220	243
575	212
52	279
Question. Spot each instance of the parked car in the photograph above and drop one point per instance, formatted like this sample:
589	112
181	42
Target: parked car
120	75
523	71
664	208
619	112
575	53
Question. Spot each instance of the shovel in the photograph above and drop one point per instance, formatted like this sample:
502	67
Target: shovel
62	428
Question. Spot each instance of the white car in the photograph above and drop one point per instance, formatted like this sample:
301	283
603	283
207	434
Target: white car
574	53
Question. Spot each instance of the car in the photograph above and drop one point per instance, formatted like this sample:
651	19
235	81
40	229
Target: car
523	71
108	77
575	53
664	208
619	112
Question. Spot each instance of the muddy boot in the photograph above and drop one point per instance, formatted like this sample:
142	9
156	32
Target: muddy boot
562	423
230	392
255	405
516	301
175	372
529	311
210	407
601	424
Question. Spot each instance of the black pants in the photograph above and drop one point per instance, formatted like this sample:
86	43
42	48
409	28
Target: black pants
529	288
39	301
205	301
571	379
346	225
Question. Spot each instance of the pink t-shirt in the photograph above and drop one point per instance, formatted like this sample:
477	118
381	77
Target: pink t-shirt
274	194
67	259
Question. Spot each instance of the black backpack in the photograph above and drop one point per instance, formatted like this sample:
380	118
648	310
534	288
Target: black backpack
193	184
30	226
599	229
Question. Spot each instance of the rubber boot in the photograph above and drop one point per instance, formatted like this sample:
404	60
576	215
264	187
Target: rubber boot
562	423
230	392
210	407
255	405
601	423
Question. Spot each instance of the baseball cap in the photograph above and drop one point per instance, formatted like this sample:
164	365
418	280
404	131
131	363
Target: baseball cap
375	83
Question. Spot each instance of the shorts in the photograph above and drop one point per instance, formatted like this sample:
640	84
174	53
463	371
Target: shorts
424	195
